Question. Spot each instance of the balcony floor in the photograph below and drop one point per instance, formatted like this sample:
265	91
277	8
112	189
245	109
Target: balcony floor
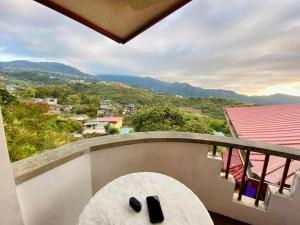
223	220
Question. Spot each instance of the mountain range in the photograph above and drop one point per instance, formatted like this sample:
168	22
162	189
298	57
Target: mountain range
49	67
187	90
155	85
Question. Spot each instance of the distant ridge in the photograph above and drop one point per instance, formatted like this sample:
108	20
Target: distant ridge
188	90
149	83
50	67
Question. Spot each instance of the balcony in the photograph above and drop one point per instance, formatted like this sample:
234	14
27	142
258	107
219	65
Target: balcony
53	187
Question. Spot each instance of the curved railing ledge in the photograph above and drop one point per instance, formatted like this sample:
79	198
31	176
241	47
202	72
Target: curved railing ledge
28	168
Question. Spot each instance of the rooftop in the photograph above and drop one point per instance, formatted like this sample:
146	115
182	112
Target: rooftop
110	119
276	124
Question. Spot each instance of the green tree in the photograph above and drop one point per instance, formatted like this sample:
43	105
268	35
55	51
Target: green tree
110	130
6	98
30	93
219	125
30	129
157	118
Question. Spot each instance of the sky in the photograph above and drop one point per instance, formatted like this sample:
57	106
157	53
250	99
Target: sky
251	47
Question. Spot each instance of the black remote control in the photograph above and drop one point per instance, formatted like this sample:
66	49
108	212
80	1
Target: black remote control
154	209
135	204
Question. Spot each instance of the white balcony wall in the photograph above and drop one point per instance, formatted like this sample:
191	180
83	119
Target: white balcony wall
57	196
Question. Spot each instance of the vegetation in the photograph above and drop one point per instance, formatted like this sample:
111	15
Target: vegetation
110	130
6	98
168	118
85	98
31	129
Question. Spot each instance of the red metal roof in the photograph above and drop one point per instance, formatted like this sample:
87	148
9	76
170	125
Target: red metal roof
236	164
110	119
277	124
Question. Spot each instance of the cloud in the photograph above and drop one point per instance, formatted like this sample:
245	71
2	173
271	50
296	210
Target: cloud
246	46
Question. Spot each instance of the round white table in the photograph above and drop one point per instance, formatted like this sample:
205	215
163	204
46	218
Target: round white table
110	206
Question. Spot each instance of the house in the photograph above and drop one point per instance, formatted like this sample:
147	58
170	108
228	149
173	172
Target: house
94	126
38	100
105	108
105	104
276	124
116	122
102	82
9	87
103	112
77	136
66	108
128	109
51	101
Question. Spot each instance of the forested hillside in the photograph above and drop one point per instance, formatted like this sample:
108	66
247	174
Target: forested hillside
30	129
49	67
187	90
33	127
51	71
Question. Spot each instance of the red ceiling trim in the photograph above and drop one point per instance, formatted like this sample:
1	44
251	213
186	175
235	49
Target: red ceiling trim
105	32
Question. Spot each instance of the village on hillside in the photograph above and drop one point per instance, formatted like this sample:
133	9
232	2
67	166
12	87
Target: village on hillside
107	121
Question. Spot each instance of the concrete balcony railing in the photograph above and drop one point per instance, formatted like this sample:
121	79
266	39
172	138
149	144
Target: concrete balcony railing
53	187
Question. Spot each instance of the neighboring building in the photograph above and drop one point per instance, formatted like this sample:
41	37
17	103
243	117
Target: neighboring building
116	122
54	107
126	130
94	126
105	104
103	112
77	136
278	124
129	109
103	82
105	108
66	108
49	101
9	87
38	100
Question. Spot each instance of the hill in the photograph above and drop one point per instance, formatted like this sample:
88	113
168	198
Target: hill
34	127
59	70
188	90
49	67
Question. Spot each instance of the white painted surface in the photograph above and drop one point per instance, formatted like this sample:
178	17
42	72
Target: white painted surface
110	205
58	196
10	213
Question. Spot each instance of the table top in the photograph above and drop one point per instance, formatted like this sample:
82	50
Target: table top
110	206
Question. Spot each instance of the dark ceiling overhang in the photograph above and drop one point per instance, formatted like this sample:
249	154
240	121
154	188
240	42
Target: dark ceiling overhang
120	20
